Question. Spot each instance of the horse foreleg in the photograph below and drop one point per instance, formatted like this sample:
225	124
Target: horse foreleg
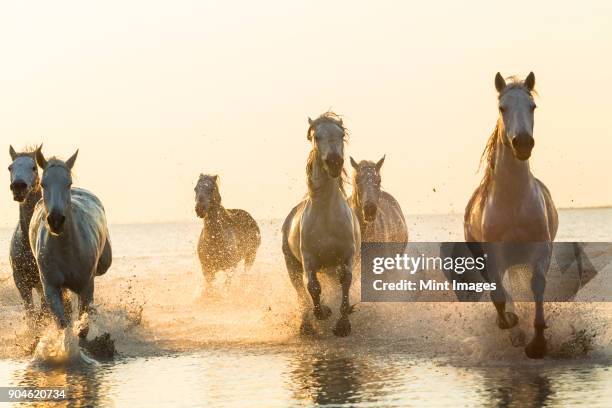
343	326
537	346
320	311
25	291
499	297
85	299
53	295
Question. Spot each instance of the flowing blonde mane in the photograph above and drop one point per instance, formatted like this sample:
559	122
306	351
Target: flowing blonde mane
490	150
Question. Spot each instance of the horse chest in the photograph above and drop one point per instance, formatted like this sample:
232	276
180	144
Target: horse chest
516	223
218	249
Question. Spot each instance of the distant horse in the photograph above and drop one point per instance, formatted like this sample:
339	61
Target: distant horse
69	238
25	185
322	232
380	215
228	236
511	205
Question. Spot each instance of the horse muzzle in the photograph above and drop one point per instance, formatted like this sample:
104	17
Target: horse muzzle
20	190
334	164
369	212
522	146
56	222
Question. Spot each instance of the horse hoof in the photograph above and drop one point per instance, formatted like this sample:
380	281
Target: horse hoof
510	321
306	329
517	337
536	348
322	312
343	327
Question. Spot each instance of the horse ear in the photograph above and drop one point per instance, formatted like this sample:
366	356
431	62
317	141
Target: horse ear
530	81
380	163
500	82
12	152
72	159
354	163
40	158
215	178
310	122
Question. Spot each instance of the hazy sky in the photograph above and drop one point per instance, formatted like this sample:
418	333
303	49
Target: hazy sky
153	93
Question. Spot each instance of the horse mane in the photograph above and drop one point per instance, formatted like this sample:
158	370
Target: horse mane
56	162
28	151
326	117
490	150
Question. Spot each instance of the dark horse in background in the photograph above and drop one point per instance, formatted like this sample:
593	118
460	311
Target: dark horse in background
380	216
228	235
25	186
512	206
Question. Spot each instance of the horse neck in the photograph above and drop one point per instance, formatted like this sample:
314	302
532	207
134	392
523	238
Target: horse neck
323	189
356	205
26	209
511	176
216	218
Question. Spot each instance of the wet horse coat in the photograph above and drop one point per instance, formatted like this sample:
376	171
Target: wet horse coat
380	216
322	231
512	206
69	238
228	235
25	185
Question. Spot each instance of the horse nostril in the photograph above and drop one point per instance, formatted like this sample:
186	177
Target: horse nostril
369	210
334	160
523	142
18	186
56	221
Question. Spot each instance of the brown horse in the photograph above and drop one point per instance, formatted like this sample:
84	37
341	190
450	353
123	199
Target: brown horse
228	236
512	206
380	216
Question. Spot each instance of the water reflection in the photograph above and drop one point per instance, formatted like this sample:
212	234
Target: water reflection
83	384
324	378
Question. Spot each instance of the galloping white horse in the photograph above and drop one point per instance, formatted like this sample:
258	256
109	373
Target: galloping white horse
69	238
322	232
512	206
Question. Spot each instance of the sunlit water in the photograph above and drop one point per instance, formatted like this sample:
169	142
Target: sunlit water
239	346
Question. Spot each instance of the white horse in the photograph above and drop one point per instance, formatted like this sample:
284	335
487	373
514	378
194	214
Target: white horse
69	238
512	206
380	216
322	232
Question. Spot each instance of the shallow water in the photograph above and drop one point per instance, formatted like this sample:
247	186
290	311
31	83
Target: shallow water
238	346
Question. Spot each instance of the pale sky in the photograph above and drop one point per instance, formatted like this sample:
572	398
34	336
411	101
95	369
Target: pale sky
153	93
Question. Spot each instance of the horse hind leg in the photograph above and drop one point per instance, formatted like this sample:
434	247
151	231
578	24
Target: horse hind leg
249	259
296	272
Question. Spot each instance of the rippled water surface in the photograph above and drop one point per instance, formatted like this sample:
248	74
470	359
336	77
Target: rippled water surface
238	345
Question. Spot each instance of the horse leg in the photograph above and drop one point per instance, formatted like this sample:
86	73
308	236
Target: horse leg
493	274
53	295
67	304
25	291
343	326
537	346
296	275
85	299
320	311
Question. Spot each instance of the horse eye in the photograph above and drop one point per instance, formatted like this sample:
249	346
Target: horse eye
501	109
10	168
534	107
34	168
